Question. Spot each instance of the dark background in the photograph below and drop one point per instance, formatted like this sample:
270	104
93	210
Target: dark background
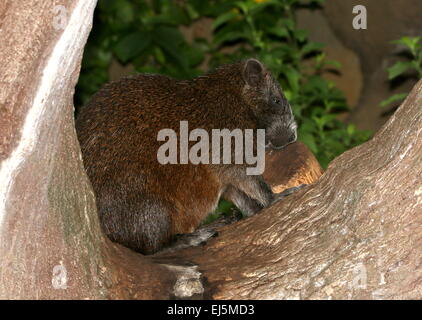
335	77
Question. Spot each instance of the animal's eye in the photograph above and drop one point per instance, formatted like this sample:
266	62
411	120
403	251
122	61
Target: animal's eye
276	100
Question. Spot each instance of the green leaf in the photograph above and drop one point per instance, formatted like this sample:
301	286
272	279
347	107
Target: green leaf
194	55
335	64
125	12
398	69
411	42
191	12
169	39
309	140
289	23
262	5
132	45
394	98
351	129
159	55
177	13
224	18
311	47
169	34
223	37
301	35
307	126
281	32
293	78
244	6
225	206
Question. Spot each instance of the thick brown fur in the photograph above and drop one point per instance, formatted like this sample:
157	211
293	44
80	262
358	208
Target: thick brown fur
143	204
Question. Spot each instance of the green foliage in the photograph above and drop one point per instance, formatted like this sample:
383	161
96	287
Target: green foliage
143	33
147	35
410	68
225	209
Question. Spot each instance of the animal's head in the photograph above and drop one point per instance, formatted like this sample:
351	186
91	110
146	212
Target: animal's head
268	104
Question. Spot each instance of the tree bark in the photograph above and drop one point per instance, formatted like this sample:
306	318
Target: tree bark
356	233
51	245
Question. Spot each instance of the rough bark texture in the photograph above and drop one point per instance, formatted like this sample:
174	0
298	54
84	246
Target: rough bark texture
356	233
51	245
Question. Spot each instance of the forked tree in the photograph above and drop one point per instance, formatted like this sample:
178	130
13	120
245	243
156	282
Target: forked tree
356	233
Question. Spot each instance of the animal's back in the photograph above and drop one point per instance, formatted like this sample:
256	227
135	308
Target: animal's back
142	203
136	195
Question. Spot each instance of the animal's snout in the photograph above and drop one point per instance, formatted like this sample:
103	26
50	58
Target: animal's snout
279	135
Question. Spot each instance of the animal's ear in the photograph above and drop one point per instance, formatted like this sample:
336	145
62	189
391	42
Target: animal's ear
253	72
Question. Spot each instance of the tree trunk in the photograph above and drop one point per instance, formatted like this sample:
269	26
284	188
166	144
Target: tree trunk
356	233
51	245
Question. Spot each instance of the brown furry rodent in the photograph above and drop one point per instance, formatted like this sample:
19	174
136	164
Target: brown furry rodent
142	204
